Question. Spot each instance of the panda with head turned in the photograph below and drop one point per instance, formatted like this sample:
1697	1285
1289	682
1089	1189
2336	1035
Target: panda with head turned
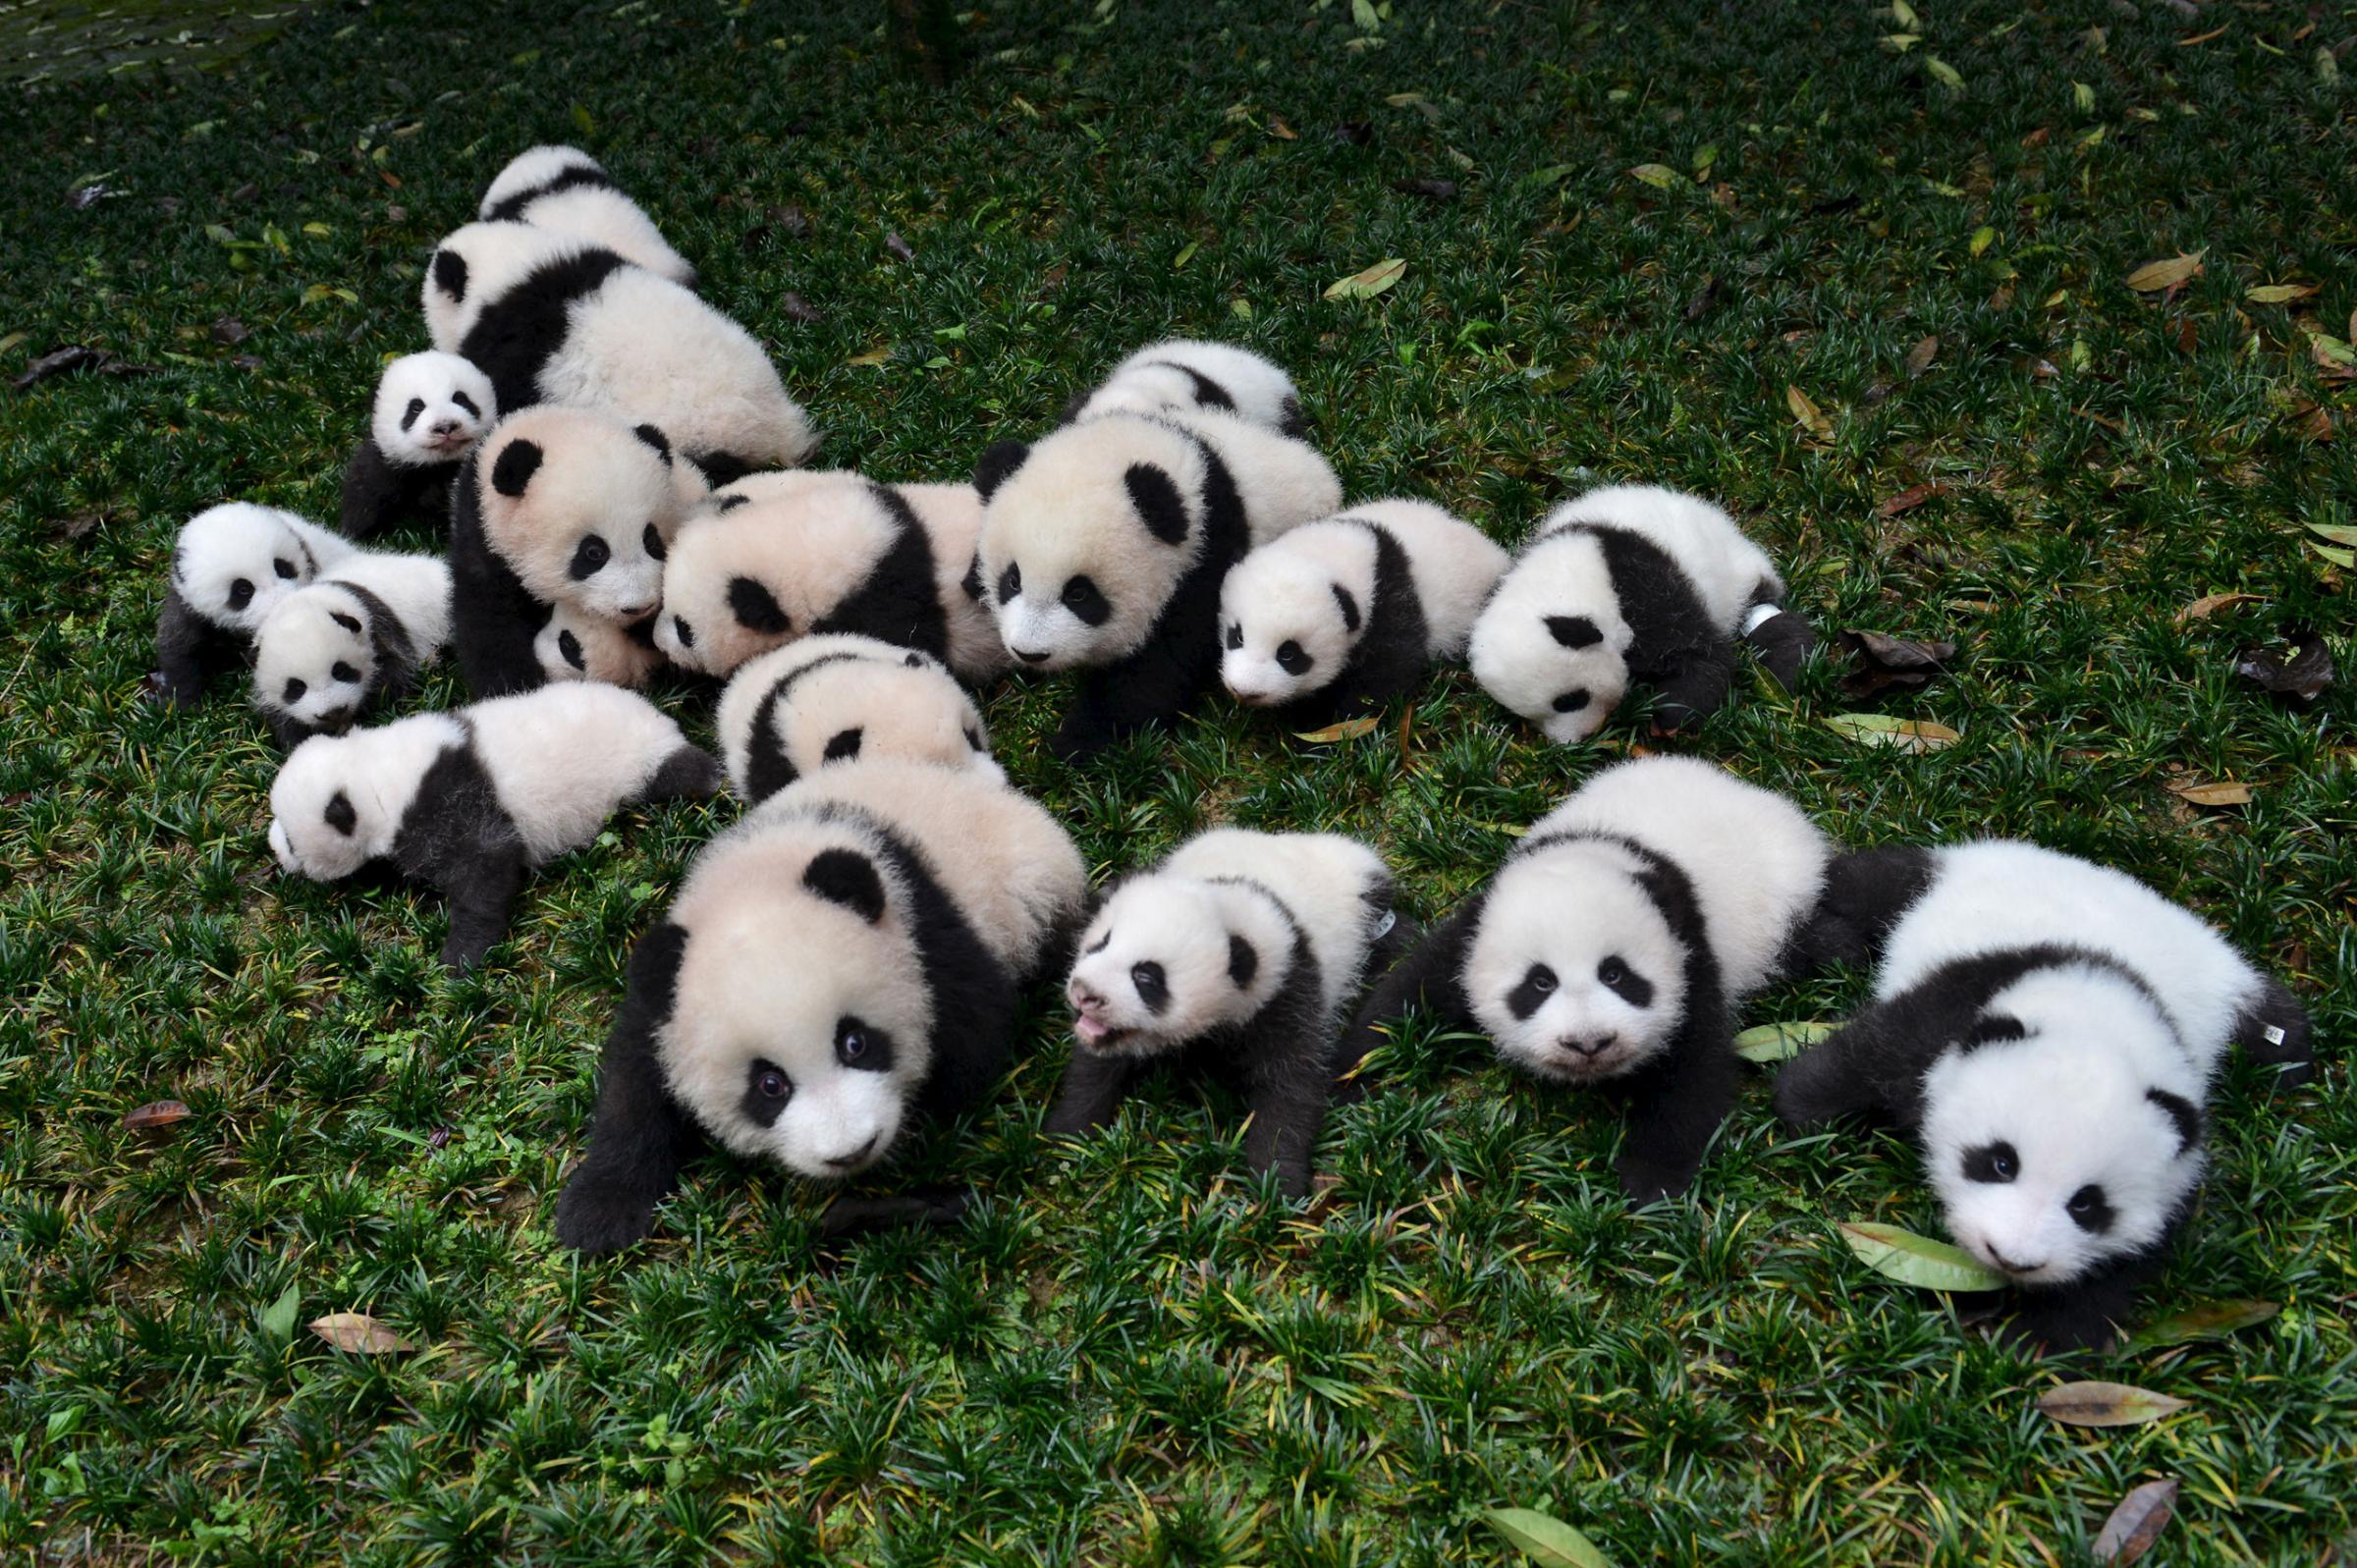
1631	583
2046	1031
841	963
840	697
556	320
1103	547
1613	946
1181	375
558	507
574	646
1240	953
430	410
1347	614
472	802
231	566
326	654
567	192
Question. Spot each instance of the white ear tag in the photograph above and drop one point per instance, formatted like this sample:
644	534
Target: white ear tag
2275	1034
1760	616
1391	918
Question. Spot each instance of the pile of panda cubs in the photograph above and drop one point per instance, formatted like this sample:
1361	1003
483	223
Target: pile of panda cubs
614	461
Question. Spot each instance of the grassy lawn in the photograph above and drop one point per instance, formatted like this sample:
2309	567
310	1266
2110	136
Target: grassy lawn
1125	1354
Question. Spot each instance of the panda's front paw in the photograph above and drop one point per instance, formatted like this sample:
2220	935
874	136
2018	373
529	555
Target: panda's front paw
2056	1327
1648	1181
598	1214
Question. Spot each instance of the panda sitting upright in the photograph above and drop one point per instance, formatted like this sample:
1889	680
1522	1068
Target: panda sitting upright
430	410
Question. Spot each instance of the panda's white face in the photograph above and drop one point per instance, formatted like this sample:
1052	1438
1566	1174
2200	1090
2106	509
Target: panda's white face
326	817
2050	1142
1574	974
584	507
1291	612
235	562
314	662
1552	645
430	408
1162	964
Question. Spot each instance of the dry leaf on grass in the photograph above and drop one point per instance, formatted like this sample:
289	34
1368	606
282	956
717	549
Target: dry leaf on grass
1373	281
2210	604
2210	1320
1884	662
1882	729
2174	273
2106	1404
2136	1523
1811	417
359	1333
154	1116
1346	729
1909	499
2224	792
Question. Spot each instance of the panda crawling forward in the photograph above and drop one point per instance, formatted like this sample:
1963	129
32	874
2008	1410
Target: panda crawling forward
230	567
430	410
842	961
328	653
1615	943
1103	547
1344	615
472	802
837	698
2046	1028
1240	953
1632	582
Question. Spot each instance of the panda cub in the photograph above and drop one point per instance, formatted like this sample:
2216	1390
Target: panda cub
430	410
573	646
2046	1030
327	653
1241	953
472	802
230	567
841	963
1181	374
552	319
779	556
1613	945
1103	548
838	697
569	193
1349	613
1631	583
558	507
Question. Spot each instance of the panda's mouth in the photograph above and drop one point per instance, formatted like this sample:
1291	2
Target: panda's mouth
1096	1034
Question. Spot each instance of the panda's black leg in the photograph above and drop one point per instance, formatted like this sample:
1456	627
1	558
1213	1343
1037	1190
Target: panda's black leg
1872	1063
1675	1103
641	1137
1426	976
1695	687
378	494
1783	644
286	730
1092	1090
2086	1314
1157	683
2273	1029
188	650
688	773
1288	1097
1865	892
482	891
851	1216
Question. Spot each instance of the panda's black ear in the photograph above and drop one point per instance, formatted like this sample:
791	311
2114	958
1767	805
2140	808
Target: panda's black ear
845	746
515	466
757	609
913	660
1243	961
351	623
2182	1111
848	877
1574	632
340	815
655	439
450	273
1348	606
1157	502
998	462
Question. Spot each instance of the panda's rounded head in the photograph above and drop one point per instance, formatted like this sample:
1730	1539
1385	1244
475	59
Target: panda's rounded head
531	169
1573	971
1292	611
234	562
476	264
430	408
1086	534
327	818
1170	958
583	506
840	697
2065	1128
314	661
1552	644
573	646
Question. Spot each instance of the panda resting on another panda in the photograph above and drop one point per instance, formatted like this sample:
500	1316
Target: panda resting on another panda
1182	374
576	646
840	697
2046	1031
326	654
231	566
430	410
567	192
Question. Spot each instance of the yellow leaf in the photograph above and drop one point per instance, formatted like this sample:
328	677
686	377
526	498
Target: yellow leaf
1811	418
1373	281
873	357
1347	730
1982	239
2155	276
2222	793
2210	604
2345	559
1944	73
318	230
2279	294
359	1333
1658	175
2106	1404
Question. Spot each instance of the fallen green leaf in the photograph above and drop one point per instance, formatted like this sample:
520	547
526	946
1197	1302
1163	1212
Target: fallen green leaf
1373	281
1883	730
1659	175
2340	533
1918	1260
1544	1539
1779	1042
1346	729
278	1318
2210	1319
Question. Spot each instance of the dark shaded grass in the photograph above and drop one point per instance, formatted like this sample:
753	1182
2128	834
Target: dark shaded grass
1125	1354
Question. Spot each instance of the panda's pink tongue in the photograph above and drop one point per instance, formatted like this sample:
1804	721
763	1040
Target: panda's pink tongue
1090	1030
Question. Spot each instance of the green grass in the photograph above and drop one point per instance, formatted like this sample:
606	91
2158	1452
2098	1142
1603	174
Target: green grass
1124	1355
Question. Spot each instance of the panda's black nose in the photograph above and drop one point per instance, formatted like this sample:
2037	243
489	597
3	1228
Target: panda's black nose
1031	658
1588	1048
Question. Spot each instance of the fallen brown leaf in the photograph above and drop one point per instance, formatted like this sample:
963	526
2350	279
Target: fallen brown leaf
2173	272
1919	358
1346	729
1704	299
796	308
2106	1404
2037	137
898	246
2136	1524
1811	417
2210	604
154	1116
1884	662
229	331
359	1333
2224	792
1909	499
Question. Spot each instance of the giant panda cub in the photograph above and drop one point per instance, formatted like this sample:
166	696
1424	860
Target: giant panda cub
1631	583
1241	954
1103	547
569	193
231	566
1613	945
1181	375
779	556
430	410
558	507
841	963
2046	1030
574	646
839	697
552	319
329	652
1347	614
472	802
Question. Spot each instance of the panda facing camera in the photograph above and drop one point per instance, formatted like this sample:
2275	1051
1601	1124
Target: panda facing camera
328	653
430	410
839	697
231	566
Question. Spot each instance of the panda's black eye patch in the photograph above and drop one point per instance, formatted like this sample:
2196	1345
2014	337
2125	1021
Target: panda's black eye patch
1530	992
284	568
1236	636
343	672
756	609
1081	597
1293	659
863	1046
652	539
340	815
1625	983
1243	961
1011	584
842	748
351	623
568	647
679	624
2090	1208
409	415
589	557
1153	986
450	273
767	1089
465	403
973	580
295	690
241	593
1992	1163
1572	701
1574	632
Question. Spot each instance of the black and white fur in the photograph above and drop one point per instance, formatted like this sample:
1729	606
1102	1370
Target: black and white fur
1614	944
839	963
567	192
230	567
1240	953
558	507
2046	1031
1182	374
472	802
840	697
329	653
552	319
778	556
1103	547
577	646
1631	583
430	410
1344	615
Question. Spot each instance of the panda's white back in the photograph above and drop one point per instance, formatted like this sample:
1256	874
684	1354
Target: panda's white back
1756	861
563	756
1282	482
1455	566
2000	893
604	216
1724	566
1323	878
414	587
1261	392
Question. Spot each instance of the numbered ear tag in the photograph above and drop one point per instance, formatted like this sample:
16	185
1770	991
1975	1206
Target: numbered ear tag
2275	1034
1760	616
1391	918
